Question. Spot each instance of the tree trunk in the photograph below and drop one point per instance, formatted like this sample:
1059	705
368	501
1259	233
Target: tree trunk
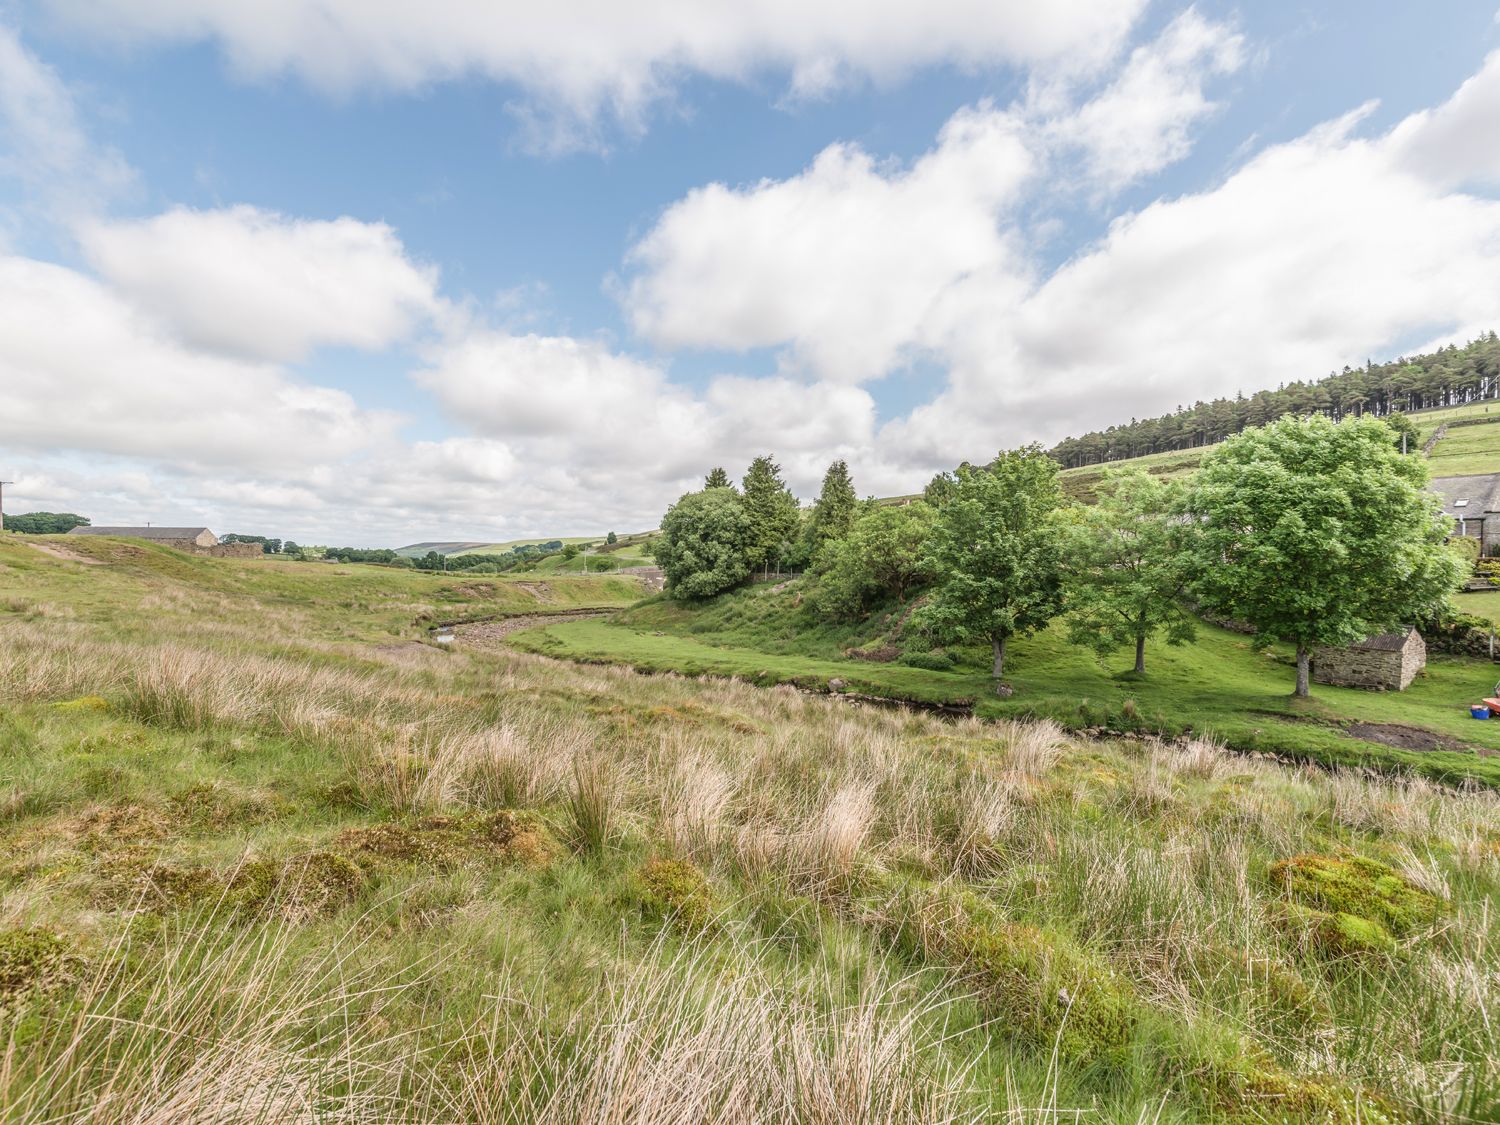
1140	654
998	645
1303	662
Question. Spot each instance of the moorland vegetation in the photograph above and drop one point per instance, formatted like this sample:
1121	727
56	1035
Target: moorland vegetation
269	856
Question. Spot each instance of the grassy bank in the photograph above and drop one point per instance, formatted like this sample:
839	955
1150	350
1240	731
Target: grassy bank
260	861
1219	686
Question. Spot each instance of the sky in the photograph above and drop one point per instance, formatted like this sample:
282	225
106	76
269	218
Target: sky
370	273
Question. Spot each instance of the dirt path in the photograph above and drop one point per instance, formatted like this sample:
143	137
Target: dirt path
492	634
64	553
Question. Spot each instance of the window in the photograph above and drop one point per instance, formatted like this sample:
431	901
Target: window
1464	503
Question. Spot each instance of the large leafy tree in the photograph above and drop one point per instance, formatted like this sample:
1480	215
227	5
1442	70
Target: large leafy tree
995	553
833	513
1129	561
45	523
772	511
1319	533
705	544
882	556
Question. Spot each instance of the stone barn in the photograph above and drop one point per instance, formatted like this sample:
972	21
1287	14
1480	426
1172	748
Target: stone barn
194	540
1389	661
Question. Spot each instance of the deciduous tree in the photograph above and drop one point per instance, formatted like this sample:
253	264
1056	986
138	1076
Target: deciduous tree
882	556
1129	561
995	554
705	544
1320	533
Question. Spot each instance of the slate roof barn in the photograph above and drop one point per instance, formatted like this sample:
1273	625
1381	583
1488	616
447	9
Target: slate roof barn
1388	661
185	537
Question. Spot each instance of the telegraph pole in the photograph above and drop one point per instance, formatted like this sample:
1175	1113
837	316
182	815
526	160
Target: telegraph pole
3	483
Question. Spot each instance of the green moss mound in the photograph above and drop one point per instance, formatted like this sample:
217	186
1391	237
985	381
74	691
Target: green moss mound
1037	982
304	886
451	841
32	962
1350	905
673	889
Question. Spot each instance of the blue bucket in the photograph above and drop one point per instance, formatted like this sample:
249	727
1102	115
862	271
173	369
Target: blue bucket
1479	711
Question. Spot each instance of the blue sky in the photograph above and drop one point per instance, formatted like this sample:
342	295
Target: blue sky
476	281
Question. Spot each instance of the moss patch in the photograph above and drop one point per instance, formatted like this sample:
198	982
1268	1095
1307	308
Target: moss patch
1038	982
218	808
298	888
674	890
1350	904
450	841
33	962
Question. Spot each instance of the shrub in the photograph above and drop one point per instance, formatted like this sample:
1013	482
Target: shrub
939	661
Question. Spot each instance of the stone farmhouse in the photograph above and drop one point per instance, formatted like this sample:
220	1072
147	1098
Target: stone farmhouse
194	540
1473	504
1388	661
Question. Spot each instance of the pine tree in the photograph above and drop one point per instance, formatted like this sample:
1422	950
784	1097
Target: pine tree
772	511
833	514
717	478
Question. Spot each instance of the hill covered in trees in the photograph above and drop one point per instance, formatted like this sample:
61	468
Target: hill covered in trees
1447	377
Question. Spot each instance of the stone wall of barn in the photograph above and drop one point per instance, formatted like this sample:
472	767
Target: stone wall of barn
233	551
1370	668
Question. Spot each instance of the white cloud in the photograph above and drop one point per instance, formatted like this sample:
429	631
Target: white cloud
857	266
44	145
578	57
601	420
258	284
1456	143
1142	122
80	369
1323	251
848	262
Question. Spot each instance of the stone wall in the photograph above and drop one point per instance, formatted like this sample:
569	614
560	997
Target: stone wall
233	551
1370	668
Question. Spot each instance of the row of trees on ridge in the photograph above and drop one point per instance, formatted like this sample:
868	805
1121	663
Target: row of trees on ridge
1447	377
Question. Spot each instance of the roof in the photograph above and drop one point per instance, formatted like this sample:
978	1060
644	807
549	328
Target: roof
1386	642
1482	493
143	532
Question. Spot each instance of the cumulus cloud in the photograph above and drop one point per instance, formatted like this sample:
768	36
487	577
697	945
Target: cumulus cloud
1143	121
258	284
1455	143
81	369
44	145
605	421
578	57
856	265
849	262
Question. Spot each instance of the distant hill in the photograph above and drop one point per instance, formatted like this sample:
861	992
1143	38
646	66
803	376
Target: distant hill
476	547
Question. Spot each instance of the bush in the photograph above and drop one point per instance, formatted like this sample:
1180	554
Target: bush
940	661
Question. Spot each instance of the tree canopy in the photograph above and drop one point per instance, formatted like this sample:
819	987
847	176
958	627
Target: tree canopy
995	551
45	523
717	478
834	511
1319	533
705	544
1129	561
882	556
772	512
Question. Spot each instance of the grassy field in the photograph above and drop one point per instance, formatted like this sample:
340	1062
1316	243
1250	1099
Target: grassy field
265	856
1218	686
